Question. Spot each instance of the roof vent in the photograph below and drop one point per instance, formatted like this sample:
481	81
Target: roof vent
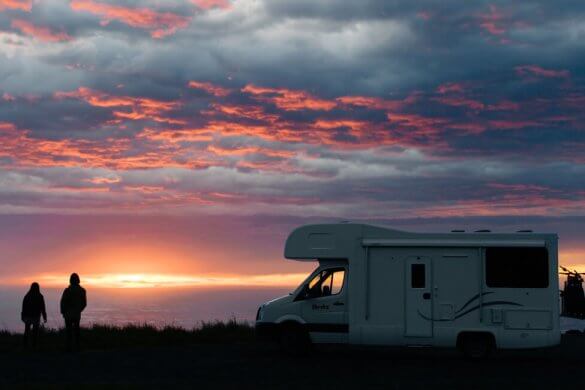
483	231
524	231
457	231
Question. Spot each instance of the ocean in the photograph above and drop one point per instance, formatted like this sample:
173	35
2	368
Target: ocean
159	307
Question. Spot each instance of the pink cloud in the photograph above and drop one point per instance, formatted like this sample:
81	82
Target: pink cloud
41	33
160	24
210	88
23	5
537	71
493	21
208	4
450	88
373	103
460	101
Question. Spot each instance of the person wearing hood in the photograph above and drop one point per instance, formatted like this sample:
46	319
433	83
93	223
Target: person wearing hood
33	307
73	301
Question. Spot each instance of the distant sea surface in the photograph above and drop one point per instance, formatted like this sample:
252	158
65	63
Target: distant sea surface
159	307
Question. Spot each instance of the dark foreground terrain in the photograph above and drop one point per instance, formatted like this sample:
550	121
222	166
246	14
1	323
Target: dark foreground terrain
229	358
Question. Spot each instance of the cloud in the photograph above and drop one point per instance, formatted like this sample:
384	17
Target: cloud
140	107
210	88
160	24
23	5
329	108
39	32
208	4
289	100
537	71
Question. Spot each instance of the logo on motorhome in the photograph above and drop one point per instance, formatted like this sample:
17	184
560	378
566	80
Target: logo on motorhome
320	307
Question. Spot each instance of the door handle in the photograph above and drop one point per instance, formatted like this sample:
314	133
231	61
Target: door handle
338	304
427	295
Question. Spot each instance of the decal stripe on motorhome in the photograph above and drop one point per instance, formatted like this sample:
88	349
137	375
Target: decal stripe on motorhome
473	299
469	310
328	328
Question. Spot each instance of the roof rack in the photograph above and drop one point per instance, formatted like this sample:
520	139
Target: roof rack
524	231
483	231
457	231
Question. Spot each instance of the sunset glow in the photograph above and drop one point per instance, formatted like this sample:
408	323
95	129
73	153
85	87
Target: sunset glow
169	281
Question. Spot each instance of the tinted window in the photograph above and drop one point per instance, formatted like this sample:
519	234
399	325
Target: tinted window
417	275
516	267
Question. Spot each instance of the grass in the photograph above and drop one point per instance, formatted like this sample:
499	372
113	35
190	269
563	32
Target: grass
103	337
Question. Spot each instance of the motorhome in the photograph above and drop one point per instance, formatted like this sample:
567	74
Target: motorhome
476	291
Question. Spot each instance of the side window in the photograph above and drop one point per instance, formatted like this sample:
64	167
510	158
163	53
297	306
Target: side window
325	283
516	267
338	278
417	276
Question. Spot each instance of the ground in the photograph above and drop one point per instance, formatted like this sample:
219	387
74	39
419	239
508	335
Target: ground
249	365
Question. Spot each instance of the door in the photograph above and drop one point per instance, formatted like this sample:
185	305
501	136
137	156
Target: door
324	306
419	300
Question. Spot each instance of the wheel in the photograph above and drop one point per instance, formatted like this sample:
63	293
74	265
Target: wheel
294	340
477	346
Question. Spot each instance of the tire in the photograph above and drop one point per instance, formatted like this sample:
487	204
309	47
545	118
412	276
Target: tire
294	340
476	346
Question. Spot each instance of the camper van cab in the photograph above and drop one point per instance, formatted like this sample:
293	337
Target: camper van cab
376	286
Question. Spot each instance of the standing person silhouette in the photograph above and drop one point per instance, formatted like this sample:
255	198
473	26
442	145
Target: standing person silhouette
33	306
73	301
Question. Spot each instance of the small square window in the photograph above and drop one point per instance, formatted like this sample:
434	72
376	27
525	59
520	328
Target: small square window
417	275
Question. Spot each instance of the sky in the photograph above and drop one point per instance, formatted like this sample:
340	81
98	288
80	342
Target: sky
186	138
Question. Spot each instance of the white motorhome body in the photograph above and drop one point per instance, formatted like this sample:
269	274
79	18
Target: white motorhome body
386	287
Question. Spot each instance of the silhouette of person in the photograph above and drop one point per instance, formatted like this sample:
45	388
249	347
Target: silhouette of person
33	306
73	301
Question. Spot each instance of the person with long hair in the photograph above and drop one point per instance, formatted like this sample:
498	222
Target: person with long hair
73	301
33	307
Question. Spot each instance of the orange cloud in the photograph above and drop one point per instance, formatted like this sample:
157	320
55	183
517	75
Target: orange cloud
160	24
115	153
211	89
208	4
289	100
140	108
244	111
246	150
41	33
373	103
23	5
